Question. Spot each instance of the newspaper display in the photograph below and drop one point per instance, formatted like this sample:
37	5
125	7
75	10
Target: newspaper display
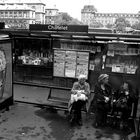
82	64
59	63
70	64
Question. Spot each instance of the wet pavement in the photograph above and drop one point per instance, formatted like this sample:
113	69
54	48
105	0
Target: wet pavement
30	122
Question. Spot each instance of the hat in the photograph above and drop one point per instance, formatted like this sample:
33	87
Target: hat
81	76
102	76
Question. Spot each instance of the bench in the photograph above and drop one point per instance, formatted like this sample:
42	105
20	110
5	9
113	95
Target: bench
58	98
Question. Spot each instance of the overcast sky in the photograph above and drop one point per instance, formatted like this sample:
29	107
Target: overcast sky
73	7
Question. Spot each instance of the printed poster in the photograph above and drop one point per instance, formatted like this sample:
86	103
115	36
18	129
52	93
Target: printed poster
82	64
59	63
70	64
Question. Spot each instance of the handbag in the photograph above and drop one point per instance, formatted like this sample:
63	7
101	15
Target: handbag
121	103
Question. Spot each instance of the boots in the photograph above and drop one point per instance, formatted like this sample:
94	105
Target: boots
75	118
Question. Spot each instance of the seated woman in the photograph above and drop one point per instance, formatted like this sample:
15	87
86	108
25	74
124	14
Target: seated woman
80	92
124	99
102	99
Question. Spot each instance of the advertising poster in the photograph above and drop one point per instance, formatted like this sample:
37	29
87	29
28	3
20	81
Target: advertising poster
59	63
82	64
70	64
5	71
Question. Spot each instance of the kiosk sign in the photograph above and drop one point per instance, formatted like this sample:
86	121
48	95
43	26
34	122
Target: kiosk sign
58	27
54	27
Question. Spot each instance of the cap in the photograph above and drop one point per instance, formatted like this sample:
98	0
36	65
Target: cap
102	76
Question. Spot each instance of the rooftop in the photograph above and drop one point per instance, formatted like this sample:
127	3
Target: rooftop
21	1
15	7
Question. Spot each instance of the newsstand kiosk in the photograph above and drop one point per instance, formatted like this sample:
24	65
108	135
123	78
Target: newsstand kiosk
53	56
6	88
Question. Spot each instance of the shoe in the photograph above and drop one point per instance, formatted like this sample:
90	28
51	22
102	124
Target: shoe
114	124
72	122
79	122
96	125
121	126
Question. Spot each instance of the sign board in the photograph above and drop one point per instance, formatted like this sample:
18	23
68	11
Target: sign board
63	28
70	63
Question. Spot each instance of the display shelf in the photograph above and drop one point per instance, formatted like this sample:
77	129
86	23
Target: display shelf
34	66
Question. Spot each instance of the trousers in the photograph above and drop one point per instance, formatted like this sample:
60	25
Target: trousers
76	109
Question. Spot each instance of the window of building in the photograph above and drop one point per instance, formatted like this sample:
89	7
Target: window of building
25	14
20	14
33	7
50	12
10	14
1	13
6	14
15	14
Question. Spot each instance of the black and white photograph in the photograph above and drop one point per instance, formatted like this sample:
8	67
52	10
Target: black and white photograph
69	70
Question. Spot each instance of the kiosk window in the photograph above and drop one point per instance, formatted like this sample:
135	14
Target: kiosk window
33	52
33	59
122	58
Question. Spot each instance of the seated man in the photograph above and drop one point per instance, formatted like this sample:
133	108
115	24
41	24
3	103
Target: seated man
80	92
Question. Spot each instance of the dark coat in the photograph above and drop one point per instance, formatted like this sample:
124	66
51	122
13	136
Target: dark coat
99	98
125	101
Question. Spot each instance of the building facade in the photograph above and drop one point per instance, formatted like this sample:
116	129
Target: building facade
35	5
90	16
51	14
17	16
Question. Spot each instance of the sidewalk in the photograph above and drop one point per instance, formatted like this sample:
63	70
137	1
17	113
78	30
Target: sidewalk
30	94
39	95
28	122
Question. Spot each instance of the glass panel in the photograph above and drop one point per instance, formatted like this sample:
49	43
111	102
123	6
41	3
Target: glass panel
32	60
5	71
